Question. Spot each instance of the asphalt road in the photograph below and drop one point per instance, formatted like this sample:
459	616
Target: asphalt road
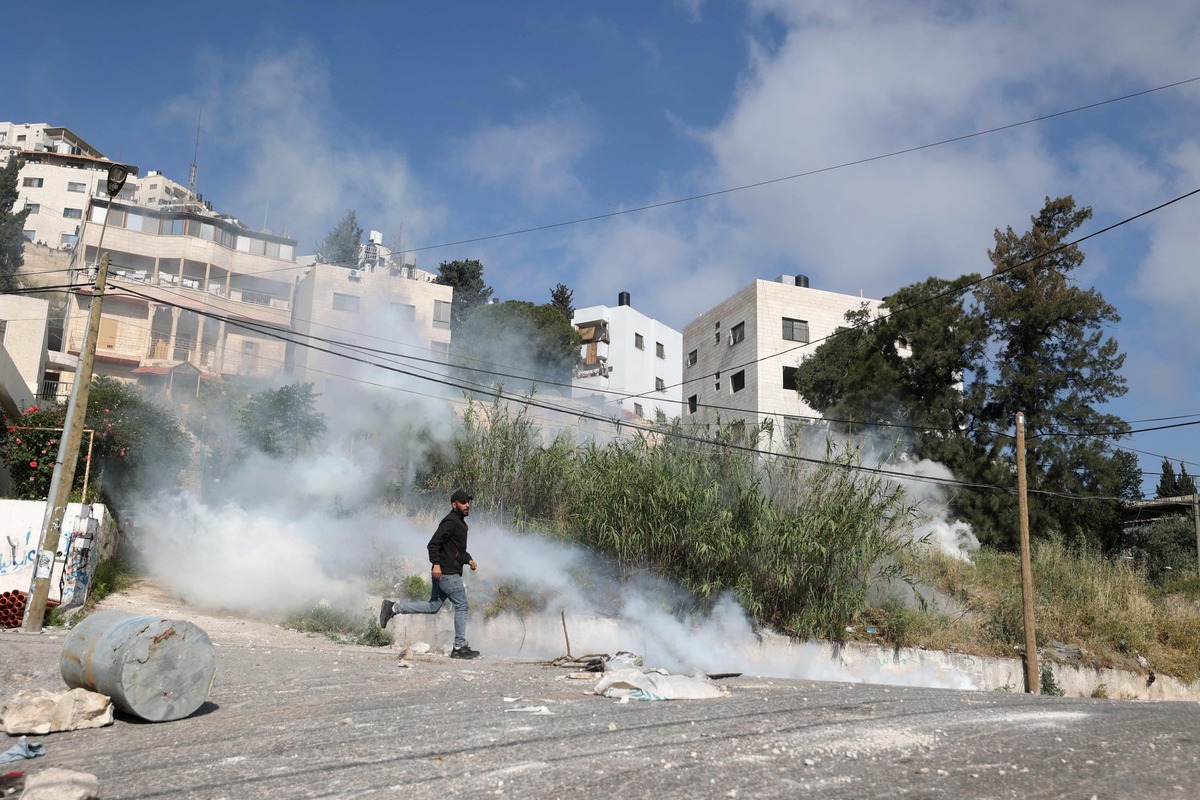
309	718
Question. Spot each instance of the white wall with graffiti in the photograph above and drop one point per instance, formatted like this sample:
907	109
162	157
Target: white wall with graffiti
88	535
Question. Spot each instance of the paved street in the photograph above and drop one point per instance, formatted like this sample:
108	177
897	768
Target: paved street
299	716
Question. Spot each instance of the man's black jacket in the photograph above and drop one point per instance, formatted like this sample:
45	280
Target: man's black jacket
448	547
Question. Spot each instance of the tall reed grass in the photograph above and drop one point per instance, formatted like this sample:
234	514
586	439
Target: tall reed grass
796	543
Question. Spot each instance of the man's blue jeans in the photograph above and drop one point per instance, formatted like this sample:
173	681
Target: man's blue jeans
449	587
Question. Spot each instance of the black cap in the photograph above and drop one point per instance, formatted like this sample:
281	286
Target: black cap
460	496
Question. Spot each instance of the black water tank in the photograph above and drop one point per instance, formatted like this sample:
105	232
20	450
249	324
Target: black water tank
623	299
802	280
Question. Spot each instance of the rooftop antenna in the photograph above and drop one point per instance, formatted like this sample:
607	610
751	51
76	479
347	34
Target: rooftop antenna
195	158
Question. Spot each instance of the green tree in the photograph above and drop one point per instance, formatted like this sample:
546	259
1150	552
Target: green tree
281	422
342	245
12	226
534	344
903	368
1172	485
1050	359
470	290
140	445
563	299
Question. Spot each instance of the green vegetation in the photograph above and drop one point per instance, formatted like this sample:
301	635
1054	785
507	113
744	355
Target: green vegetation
1049	686
797	544
802	546
414	587
113	576
1030	341
281	422
12	225
339	626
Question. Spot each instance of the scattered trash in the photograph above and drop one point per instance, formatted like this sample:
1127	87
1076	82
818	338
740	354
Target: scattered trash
871	630
539	711
22	751
622	659
633	684
404	664
851	629
513	699
12	783
420	648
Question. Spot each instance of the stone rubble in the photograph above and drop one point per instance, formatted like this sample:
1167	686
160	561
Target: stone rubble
40	711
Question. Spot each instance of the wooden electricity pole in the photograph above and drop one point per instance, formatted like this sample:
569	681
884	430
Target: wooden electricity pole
1032	677
68	449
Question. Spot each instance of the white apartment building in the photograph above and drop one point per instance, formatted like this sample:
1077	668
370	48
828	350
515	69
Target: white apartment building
24	333
185	287
62	172
386	304
633	362
740	356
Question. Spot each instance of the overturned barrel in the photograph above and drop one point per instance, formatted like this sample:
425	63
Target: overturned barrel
153	668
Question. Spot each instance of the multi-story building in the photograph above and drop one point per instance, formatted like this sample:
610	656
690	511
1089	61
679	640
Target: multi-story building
632	362
186	287
62	172
385	304
740	356
23	352
60	175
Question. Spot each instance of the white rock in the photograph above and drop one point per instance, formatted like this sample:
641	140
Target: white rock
60	784
40	711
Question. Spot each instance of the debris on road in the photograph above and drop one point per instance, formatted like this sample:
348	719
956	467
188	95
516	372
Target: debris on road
40	711
153	668
633	684
61	784
22	751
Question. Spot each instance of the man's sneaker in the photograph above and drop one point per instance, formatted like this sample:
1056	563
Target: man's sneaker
386	613
464	652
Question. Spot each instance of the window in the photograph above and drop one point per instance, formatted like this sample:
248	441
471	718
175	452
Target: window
68	239
660	385
692	357
33	208
72	213
441	314
637	409
30	235
737	334
3	328
717	333
76	187
789	378
693	404
738	381
717	380
345	302
405	312
440	350
34	182
20	137
659	350
795	330
639	341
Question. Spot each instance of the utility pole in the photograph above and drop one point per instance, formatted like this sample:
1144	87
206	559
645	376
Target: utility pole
68	448
1032	676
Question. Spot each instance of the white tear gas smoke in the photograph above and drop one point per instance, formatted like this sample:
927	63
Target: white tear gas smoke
279	537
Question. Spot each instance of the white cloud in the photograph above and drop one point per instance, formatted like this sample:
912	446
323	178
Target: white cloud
535	157
303	160
851	81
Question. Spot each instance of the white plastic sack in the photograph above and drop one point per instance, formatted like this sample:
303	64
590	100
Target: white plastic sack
632	683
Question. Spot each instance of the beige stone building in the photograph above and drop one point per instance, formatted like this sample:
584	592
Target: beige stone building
186	287
387	305
740	356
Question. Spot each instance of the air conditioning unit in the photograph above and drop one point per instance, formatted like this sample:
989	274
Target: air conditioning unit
355	275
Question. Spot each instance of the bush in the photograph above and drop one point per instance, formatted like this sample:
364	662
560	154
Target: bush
339	626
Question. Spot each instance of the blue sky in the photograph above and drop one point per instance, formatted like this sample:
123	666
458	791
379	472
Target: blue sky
460	120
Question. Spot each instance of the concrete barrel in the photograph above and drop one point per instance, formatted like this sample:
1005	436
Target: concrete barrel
153	668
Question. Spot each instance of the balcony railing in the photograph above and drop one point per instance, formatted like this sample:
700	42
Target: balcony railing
59	391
